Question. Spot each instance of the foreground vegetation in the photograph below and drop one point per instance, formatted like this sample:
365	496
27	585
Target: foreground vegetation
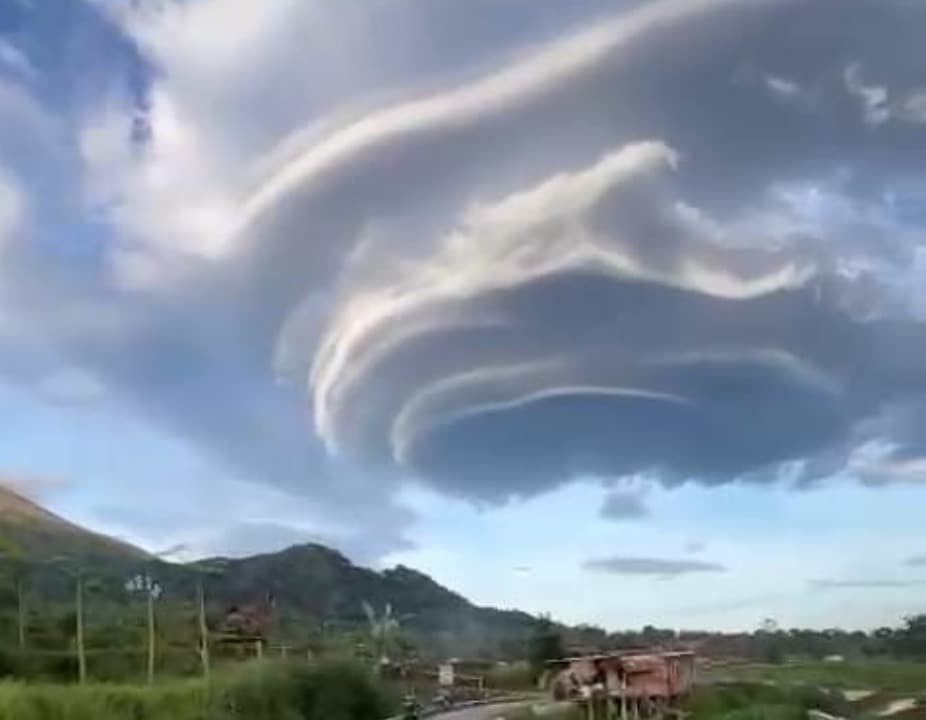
760	701
258	691
726	701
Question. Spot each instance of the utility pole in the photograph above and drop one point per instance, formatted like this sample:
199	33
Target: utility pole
79	611
21	613
151	638
149	587
203	631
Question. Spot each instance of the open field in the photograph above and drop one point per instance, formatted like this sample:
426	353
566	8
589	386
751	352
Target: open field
856	689
882	675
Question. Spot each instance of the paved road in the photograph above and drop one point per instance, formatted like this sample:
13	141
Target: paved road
483	712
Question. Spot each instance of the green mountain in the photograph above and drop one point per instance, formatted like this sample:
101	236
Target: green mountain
318	592
315	586
31	532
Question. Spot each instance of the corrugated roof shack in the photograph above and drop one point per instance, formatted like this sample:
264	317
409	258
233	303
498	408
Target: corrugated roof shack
630	683
658	675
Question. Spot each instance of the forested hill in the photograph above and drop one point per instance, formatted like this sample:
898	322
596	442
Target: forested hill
317	589
317	585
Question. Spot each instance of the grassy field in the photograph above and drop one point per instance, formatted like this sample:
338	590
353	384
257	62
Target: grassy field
854	689
261	691
746	700
735	701
881	675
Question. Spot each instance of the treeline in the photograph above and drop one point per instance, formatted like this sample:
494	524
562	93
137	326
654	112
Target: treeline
768	643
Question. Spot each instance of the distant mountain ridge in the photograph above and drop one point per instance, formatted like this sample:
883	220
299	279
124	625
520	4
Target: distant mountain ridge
315	587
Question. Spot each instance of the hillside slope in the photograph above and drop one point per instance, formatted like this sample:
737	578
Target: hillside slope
317	589
315	585
32	532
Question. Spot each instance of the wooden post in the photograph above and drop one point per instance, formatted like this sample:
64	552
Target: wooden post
284	651
259	649
203	631
623	696
79	608
151	637
21	613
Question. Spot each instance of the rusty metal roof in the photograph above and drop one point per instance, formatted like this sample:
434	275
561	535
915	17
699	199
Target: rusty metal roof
629	653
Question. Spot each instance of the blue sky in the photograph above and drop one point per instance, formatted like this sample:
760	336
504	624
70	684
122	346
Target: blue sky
530	295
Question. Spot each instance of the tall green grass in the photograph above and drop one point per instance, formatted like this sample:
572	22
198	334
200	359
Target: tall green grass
260	691
176	701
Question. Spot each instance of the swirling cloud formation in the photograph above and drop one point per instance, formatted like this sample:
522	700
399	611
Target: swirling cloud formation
683	238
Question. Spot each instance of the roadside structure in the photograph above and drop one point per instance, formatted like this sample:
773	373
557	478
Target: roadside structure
628	684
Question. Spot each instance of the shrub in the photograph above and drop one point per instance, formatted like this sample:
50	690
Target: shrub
298	691
515	676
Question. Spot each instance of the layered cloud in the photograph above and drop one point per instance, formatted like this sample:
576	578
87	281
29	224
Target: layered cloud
661	567
622	505
863	584
680	239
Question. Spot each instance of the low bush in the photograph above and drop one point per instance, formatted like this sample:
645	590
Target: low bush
301	691
514	676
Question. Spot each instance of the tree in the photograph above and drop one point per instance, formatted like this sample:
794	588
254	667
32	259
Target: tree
384	630
546	643
910	640
771	641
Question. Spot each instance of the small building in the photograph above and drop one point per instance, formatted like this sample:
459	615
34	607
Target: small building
641	682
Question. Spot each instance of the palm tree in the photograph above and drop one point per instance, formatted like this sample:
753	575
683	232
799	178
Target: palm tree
383	629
